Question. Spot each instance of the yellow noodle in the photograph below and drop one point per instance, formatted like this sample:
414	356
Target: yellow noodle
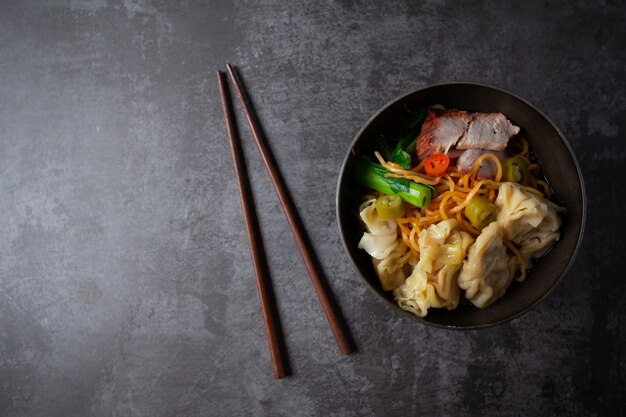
545	186
413	177
413	243
454	191
532	190
469	196
534	169
396	171
419	166
520	260
479	161
465	225
405	258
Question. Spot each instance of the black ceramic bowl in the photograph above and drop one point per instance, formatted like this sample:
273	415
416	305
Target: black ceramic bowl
559	166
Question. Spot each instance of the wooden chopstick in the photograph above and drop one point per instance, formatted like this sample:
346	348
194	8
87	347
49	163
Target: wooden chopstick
254	239
336	327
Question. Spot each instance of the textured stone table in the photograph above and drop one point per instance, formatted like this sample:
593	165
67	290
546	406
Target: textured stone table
126	283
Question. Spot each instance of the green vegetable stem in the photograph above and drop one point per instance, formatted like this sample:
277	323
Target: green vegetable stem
369	174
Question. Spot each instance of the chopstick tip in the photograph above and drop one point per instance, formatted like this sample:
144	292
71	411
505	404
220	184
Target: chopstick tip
231	71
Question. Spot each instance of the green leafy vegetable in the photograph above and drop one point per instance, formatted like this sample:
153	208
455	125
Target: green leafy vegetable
372	175
401	157
404	136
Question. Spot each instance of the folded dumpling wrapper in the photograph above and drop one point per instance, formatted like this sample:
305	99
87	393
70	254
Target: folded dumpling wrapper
529	221
391	258
381	236
488	270
432	283
394	269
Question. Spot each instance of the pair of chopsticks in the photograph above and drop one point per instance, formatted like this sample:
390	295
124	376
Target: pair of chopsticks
254	239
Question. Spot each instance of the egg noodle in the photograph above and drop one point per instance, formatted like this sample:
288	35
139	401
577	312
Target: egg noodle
454	191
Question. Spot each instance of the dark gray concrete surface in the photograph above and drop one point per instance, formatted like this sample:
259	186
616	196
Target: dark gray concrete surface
126	284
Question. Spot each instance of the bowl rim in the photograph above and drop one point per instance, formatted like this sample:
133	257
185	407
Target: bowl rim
394	306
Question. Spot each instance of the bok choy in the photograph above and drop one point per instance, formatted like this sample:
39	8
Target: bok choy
369	174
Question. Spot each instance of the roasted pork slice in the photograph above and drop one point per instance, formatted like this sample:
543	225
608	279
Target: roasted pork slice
488	131
441	130
487	168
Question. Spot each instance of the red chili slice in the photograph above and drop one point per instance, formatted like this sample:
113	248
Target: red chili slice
437	164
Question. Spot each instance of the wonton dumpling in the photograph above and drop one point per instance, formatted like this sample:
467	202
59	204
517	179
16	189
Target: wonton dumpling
527	220
390	256
488	270
432	283
380	238
542	238
393	270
